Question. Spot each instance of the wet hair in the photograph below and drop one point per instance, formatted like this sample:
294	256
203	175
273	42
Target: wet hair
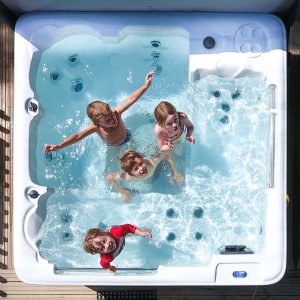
89	238
97	108
128	162
162	110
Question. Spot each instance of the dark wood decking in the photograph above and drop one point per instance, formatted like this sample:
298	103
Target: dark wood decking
11	287
6	93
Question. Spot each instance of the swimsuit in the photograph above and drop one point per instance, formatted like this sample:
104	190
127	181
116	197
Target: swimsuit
179	137
127	138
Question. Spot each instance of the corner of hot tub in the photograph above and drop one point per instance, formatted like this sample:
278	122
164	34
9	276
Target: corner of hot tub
278	21
27	221
23	18
273	268
26	22
277	276
34	271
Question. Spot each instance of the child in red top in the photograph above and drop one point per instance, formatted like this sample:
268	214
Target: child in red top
110	243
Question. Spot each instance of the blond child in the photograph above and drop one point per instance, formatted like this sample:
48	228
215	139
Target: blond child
107	122
171	125
109	244
135	167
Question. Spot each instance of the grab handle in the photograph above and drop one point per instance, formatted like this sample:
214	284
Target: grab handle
100	271
272	136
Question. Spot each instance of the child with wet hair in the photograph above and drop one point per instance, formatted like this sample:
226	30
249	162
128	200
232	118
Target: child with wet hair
135	167
107	122
109	244
171	126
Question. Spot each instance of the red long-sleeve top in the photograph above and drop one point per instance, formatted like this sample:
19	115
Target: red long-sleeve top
118	233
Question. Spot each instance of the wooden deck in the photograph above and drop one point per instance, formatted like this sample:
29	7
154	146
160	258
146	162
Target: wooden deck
6	81
12	288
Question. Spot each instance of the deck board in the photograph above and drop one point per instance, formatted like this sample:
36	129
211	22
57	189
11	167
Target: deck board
6	94
12	288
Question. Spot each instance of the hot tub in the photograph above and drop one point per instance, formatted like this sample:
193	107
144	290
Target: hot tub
226	224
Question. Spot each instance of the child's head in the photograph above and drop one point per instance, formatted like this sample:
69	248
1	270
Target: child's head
166	115
101	114
134	164
98	241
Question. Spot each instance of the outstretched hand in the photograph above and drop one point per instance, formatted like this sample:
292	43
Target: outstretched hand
49	148
144	233
190	138
148	78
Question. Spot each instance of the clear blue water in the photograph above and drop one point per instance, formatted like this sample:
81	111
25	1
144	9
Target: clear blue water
222	200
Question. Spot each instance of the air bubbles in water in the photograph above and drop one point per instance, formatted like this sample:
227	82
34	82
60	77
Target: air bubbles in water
53	156
55	160
48	157
158	69
45	68
155	55
156	65
129	77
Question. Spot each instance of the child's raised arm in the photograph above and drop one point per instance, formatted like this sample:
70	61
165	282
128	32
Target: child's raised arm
74	138
136	94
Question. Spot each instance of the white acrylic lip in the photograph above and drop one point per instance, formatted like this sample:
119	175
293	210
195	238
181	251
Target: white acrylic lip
272	63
